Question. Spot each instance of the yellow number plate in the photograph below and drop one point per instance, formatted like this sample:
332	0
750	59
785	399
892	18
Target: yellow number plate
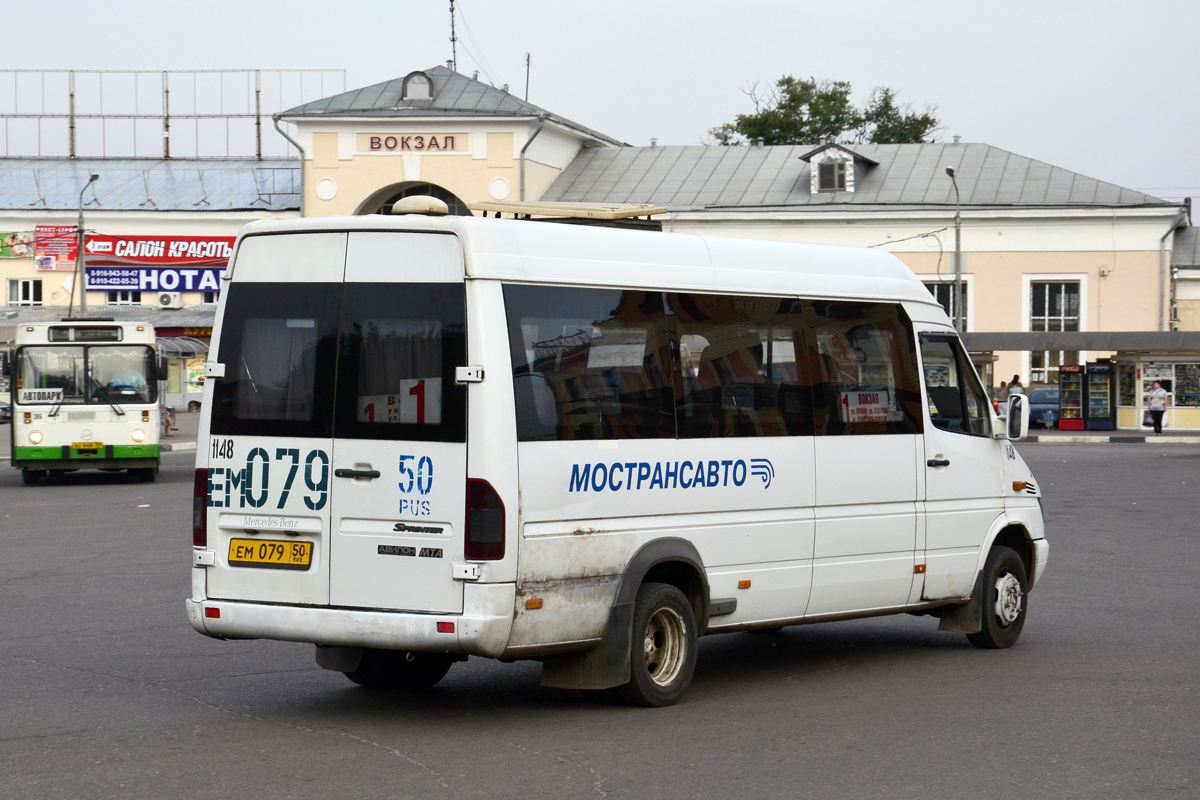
87	445
270	554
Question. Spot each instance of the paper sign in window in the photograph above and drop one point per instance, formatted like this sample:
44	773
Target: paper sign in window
868	406
418	402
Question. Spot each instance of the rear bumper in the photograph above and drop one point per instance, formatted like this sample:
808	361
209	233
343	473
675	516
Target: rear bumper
482	629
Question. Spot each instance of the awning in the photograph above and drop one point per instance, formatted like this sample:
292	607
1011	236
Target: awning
182	346
1126	341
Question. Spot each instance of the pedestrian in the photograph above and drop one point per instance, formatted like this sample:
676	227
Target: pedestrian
1156	401
1015	386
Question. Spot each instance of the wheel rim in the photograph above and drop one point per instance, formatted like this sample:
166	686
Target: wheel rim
666	646
1009	598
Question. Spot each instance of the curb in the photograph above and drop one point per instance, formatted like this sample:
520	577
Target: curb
1114	439
177	447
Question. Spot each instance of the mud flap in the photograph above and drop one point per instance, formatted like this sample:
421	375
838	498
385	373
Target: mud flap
966	618
604	666
339	659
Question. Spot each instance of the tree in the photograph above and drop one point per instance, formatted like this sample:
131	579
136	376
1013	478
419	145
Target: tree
810	111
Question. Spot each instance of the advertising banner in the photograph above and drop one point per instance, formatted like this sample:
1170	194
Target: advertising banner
55	247
17	245
156	263
194	369
153	279
198	251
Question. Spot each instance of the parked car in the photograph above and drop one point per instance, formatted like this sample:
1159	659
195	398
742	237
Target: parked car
5	412
1041	402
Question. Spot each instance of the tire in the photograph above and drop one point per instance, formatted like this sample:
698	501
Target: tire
400	669
30	477
1005	600
663	647
146	475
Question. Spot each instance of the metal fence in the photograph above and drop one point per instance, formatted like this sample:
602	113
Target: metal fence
153	113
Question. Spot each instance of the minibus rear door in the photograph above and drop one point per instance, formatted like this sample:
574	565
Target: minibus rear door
400	453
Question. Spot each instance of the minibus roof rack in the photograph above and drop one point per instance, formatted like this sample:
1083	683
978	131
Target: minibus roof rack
603	214
87	319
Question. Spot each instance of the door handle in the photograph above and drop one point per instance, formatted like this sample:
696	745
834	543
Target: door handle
935	462
356	473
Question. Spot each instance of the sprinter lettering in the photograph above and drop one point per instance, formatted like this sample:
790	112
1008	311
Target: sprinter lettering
638	475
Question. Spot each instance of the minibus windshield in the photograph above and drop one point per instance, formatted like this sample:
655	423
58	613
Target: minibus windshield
88	374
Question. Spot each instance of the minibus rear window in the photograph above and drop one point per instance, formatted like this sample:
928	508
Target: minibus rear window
278	348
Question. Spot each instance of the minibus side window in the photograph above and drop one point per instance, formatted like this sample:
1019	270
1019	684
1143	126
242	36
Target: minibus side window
400	345
740	375
957	402
867	380
590	363
278	347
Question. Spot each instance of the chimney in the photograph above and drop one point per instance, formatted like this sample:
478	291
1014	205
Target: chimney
956	139
758	142
653	142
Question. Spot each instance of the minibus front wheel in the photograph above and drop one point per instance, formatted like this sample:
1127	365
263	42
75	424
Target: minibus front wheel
1005	599
663	649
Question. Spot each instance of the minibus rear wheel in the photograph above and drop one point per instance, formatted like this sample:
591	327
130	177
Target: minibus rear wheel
400	669
663	651
1005	599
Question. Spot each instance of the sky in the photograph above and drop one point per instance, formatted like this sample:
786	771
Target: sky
1106	89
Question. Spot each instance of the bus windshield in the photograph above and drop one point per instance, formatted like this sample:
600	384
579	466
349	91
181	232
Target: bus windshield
86	374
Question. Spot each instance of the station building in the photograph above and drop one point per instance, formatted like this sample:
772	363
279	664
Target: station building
1062	259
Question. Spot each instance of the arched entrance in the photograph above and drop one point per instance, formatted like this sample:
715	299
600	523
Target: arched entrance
381	202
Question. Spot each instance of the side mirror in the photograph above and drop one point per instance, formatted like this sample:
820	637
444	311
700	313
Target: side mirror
5	365
1017	422
162	369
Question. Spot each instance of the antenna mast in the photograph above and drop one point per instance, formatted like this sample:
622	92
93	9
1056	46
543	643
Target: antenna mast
527	77
453	41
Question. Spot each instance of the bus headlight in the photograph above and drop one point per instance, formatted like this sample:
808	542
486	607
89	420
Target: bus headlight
138	435
35	437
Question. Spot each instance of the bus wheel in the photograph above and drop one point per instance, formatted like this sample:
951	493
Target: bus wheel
1005	600
399	669
663	653
146	475
30	477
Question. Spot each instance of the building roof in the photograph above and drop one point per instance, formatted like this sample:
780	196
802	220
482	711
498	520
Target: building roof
1185	251
714	177
454	95
176	184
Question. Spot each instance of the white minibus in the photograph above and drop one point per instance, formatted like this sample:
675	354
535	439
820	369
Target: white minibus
84	396
429	437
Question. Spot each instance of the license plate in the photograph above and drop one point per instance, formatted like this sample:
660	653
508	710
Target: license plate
87	445
270	554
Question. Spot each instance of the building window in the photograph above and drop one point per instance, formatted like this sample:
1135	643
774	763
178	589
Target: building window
208	298
124	298
25	291
943	292
1054	306
831	176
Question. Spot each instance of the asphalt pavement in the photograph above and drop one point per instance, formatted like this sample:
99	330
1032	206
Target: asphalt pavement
107	692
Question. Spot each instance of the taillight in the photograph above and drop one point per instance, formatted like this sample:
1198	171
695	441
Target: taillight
200	509
485	522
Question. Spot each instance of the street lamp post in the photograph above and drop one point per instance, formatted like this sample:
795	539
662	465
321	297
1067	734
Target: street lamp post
958	303
80	268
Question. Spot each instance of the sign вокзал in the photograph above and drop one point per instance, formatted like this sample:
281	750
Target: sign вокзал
412	142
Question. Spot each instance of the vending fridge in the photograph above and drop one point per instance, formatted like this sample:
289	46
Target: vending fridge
1101	396
1070	397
